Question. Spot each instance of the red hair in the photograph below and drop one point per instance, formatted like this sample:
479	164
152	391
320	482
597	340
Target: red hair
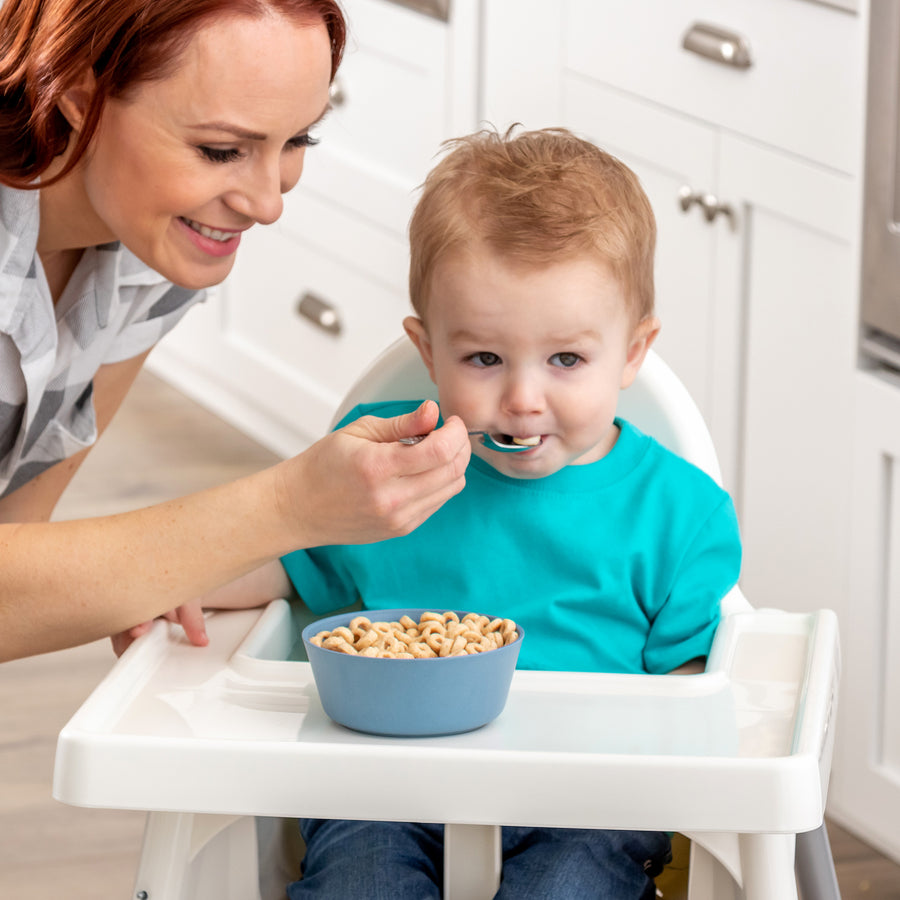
46	46
533	198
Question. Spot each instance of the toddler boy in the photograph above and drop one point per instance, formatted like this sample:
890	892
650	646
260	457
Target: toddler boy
531	278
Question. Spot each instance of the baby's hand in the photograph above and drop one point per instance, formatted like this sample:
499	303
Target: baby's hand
189	616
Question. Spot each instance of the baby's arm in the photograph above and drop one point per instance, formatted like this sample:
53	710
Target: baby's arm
268	582
708	566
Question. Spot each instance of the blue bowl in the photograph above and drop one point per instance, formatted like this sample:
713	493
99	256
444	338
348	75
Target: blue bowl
409	697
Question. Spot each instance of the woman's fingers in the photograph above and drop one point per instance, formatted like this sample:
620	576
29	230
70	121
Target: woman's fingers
421	421
360	484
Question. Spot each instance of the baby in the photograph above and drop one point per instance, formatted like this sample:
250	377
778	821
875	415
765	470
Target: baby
531	278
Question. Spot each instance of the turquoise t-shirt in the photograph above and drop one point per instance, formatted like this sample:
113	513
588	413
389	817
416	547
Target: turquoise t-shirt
614	566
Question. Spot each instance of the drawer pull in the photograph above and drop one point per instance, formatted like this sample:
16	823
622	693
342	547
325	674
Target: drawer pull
719	45
687	197
320	312
709	203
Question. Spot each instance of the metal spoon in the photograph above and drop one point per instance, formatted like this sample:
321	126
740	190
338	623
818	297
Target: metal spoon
488	441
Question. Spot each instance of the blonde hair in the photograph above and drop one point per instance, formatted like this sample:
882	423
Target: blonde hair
534	198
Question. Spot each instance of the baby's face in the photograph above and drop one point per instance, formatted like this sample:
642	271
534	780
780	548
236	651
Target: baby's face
533	354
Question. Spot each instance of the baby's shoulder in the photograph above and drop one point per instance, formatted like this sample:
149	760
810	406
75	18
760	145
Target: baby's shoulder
671	472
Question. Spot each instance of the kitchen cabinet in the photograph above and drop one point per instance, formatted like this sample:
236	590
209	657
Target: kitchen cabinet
867	752
313	298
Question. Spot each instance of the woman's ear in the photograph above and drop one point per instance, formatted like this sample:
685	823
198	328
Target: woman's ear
415	328
645	333
76	100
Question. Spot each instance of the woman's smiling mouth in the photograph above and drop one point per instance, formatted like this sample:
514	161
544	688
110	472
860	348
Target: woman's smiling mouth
214	234
213	243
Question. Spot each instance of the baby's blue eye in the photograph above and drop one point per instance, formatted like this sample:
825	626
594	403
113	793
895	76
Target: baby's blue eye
565	360
484	359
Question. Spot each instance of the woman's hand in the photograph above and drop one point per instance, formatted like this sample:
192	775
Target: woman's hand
359	485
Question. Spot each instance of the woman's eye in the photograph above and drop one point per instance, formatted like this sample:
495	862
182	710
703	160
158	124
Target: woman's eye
484	359
301	141
565	360
220	154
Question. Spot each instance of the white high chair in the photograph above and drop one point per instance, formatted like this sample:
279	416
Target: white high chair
738	758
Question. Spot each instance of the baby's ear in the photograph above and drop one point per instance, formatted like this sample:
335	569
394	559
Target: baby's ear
642	338
415	328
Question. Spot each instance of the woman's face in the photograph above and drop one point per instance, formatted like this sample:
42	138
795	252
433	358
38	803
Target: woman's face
183	165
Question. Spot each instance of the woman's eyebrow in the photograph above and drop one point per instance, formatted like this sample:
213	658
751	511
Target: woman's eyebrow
235	130
247	134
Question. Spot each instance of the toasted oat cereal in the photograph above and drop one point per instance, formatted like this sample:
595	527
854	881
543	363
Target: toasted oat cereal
434	635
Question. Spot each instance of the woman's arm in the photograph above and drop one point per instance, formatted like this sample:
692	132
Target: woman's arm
66	583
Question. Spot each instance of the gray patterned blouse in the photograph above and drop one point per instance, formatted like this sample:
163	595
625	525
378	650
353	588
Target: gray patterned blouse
112	309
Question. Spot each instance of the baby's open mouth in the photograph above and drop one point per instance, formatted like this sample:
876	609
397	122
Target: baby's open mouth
531	441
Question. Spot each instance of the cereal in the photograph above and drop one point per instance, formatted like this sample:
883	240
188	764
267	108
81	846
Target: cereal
434	635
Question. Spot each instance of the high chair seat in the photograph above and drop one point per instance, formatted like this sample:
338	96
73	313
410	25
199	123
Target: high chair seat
207	739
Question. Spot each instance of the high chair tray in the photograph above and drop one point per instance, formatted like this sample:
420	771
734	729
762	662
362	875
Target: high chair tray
237	728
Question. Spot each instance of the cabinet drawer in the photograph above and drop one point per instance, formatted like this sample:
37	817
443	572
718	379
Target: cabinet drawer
388	111
800	93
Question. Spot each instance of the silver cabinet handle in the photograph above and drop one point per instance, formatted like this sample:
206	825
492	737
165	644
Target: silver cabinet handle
687	197
709	203
320	312
713	207
717	44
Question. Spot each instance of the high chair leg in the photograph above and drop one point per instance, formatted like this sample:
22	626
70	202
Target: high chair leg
165	854
189	856
714	869
472	861
767	866
815	866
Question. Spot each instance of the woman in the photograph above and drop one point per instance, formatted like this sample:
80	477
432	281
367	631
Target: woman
138	140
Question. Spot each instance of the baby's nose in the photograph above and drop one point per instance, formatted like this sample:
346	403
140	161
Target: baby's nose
523	394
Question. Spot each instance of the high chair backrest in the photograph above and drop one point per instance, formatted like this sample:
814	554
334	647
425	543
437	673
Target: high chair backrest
657	402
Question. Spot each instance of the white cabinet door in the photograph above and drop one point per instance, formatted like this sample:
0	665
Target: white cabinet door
865	786
796	278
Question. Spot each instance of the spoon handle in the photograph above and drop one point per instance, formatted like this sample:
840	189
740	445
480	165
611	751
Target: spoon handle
421	437
486	439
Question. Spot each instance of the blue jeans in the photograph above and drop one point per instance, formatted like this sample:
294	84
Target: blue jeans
350	860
